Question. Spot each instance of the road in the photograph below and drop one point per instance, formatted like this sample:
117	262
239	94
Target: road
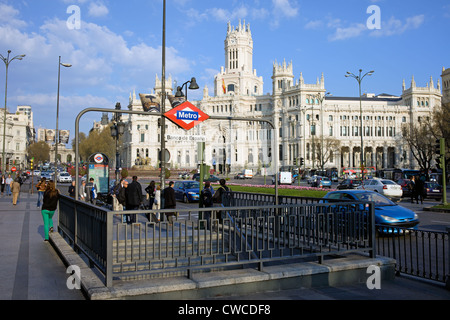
433	221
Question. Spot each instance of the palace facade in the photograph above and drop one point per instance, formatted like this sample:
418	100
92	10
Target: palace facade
310	125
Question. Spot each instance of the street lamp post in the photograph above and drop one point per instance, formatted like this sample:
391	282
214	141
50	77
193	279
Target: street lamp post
117	129
321	97
359	79
7	61
66	65
192	86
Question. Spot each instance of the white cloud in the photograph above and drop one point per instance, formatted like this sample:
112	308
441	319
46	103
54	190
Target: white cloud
8	17
395	27
97	10
349	32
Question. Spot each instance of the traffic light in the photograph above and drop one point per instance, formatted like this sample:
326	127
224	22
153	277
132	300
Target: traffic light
31	163
302	161
437	147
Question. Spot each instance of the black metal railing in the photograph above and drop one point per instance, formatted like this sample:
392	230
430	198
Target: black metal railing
420	253
233	236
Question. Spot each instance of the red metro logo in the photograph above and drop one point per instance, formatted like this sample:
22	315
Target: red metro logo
186	115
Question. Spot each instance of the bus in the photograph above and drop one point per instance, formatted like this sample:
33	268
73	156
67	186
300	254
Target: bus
396	174
368	171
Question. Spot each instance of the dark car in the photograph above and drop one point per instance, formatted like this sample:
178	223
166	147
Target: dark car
212	178
186	191
349	184
432	190
404	183
239	175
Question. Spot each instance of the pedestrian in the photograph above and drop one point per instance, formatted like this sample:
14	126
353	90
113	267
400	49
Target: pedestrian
3	182
114	194
49	204
150	189
8	182
91	191
169	201
41	187
206	201
72	190
134	198
82	191
15	188
122	197
157	202
412	188
420	184
220	195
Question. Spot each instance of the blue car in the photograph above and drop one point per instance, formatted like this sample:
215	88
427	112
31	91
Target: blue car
186	191
387	213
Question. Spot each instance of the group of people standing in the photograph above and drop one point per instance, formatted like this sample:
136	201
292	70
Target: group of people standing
11	187
130	196
416	187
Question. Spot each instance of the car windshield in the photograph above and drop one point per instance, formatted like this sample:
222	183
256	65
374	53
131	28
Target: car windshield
378	199
387	182
432	185
325	179
191	185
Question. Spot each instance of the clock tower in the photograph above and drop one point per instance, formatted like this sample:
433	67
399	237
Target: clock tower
238	76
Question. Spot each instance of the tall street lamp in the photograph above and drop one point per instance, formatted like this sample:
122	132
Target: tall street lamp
192	86
117	129
66	65
359	78
7	61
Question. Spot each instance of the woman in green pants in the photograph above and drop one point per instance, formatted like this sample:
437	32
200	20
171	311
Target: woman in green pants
49	205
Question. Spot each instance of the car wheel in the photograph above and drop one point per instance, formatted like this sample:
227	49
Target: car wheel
185	199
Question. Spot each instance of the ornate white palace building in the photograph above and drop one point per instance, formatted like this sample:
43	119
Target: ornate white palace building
305	119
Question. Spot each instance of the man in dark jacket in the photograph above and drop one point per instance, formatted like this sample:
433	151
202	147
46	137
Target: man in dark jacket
169	201
134	198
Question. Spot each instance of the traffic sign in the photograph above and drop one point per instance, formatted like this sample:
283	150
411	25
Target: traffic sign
13	169
186	115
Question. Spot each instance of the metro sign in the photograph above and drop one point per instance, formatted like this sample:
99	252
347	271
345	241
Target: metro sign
186	115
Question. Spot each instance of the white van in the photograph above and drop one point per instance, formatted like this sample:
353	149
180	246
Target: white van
284	178
248	173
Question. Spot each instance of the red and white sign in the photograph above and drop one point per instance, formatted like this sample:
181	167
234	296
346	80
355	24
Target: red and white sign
186	115
13	169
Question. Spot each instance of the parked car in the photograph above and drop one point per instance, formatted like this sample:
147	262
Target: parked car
239	175
186	191
349	184
387	213
404	183
64	177
432	190
36	173
385	187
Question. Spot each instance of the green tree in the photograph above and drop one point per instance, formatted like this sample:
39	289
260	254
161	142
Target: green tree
97	141
40	151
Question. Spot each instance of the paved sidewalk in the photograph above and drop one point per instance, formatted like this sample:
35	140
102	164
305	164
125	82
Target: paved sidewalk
30	269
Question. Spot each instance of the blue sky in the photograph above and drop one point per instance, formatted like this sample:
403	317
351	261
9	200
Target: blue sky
117	47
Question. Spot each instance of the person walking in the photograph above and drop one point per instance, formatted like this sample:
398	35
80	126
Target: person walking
134	198
3	182
41	187
122	197
206	201
8	182
169	201
72	189
150	189
412	188
157	202
82	191
49	204
91	191
15	189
